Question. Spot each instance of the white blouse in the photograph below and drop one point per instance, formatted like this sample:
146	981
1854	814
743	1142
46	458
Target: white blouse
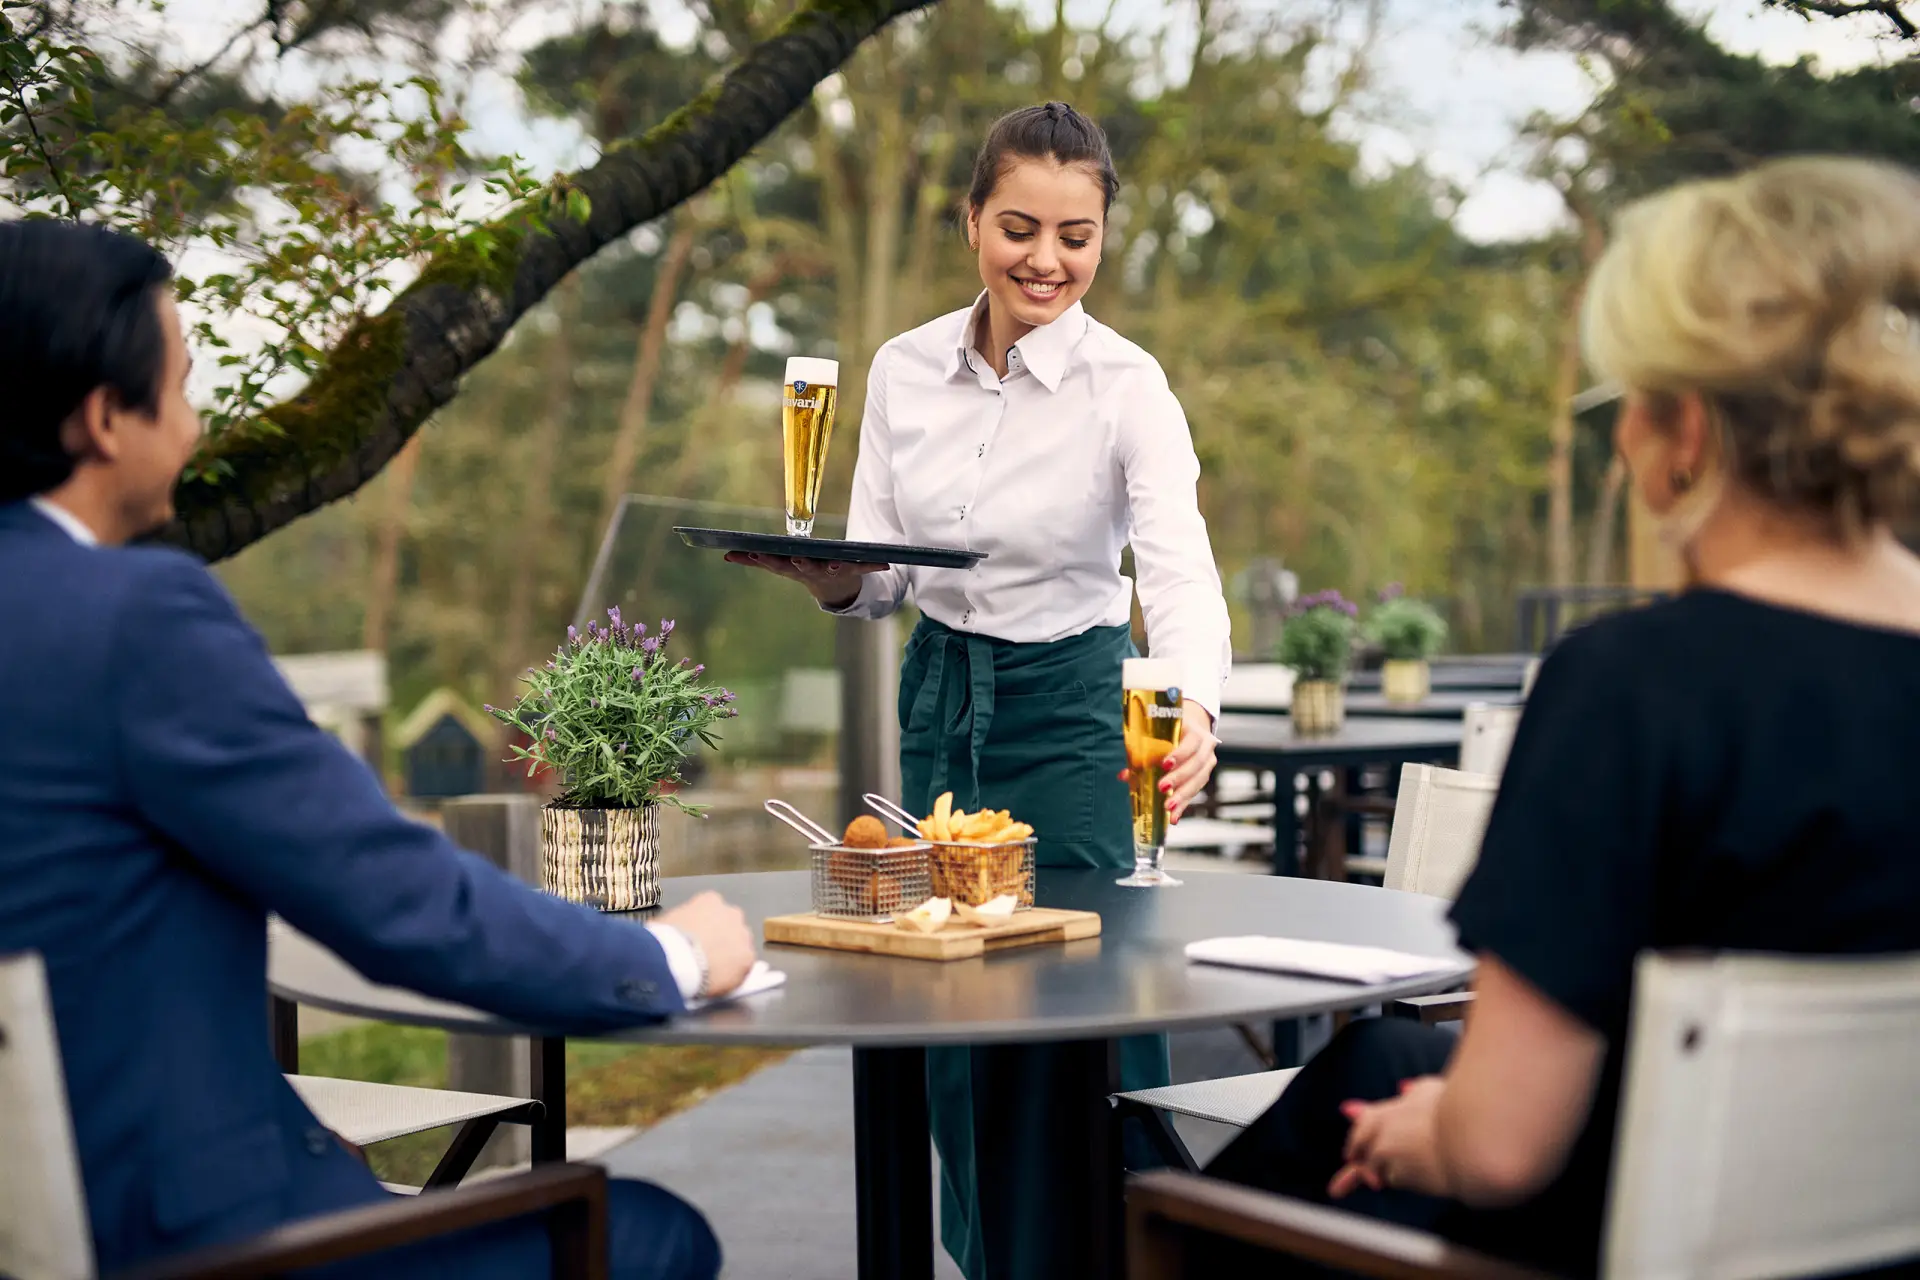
1079	451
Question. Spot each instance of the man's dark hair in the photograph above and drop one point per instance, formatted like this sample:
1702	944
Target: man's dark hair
76	313
1052	131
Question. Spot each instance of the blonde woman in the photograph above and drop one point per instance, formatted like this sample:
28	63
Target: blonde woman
1732	769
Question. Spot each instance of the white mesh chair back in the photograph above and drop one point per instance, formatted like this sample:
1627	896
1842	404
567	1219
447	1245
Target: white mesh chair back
1438	820
43	1208
1768	1126
1486	737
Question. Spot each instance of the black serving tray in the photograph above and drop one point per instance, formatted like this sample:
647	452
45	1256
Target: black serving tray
780	544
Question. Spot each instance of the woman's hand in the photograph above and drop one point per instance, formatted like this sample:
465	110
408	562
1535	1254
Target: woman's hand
834	583
1395	1143
1189	766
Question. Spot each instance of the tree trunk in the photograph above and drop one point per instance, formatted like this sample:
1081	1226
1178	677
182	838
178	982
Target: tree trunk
536	511
384	583
391	371
1566	383
646	369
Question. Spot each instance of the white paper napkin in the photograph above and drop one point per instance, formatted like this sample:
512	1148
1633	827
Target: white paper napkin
1337	960
762	977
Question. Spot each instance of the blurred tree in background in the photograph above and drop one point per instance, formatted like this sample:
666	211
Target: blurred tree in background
1375	398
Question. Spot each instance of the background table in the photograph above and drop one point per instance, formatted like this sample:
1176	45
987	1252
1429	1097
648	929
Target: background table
1265	742
1438	705
1133	978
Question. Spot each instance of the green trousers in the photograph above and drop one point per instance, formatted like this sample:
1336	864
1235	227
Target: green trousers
1034	729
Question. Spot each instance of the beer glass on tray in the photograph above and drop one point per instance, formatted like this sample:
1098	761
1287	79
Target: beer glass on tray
807	403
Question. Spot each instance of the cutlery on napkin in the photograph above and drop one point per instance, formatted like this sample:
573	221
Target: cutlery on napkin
762	977
1338	960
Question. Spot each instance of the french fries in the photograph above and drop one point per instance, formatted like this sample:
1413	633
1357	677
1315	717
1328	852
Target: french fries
988	826
978	857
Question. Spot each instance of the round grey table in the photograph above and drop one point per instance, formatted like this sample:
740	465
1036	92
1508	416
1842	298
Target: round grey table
1133	978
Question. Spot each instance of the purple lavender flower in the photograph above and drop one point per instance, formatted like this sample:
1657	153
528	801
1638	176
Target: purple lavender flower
614	613
726	695
702	667
666	626
1329	599
573	636
1392	591
549	735
487	707
639	629
636	673
650	646
594	703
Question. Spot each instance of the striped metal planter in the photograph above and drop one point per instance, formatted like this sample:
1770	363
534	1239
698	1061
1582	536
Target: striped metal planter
608	859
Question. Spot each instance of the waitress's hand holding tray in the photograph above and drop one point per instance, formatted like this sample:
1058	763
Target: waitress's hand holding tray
834	583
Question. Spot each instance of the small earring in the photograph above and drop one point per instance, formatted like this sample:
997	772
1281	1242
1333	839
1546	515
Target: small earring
1681	479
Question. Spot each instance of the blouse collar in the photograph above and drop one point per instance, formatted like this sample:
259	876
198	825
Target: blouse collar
1042	352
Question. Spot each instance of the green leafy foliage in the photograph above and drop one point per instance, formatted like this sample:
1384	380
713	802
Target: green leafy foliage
1405	628
614	717
1317	640
302	244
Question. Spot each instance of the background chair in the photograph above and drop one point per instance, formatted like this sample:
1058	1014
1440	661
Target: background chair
1767	1129
1486	737
43	1218
1439	818
365	1112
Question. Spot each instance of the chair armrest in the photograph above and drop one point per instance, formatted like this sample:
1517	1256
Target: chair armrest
1448	1006
573	1195
1162	1206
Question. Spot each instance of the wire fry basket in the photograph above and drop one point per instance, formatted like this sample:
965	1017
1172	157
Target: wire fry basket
969	871
859	884
869	884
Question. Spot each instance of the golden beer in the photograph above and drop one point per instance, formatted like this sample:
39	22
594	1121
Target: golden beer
806	425
1153	720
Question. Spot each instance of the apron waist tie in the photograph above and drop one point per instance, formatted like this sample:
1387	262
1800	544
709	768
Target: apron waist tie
957	695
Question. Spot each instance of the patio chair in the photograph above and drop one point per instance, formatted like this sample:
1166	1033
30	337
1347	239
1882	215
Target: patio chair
1439	818
1767	1129
43	1215
365	1112
1486	735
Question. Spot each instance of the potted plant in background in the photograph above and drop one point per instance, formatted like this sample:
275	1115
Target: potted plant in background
615	719
1409	632
1317	642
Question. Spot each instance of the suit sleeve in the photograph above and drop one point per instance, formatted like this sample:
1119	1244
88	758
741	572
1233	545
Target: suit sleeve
220	757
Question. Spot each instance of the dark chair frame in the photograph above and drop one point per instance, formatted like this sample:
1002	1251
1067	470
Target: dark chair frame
571	1197
1166	1210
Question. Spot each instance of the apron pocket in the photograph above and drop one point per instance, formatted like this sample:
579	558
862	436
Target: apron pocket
1039	764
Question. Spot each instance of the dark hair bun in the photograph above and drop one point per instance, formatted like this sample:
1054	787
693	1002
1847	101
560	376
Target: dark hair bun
1052	131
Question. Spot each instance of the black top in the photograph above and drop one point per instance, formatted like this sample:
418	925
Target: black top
1709	772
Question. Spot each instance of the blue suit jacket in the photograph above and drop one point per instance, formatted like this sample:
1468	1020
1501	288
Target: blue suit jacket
161	790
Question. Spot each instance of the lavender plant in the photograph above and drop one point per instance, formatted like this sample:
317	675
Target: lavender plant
1317	639
614	717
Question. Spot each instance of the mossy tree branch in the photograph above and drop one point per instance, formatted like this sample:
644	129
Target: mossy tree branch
390	372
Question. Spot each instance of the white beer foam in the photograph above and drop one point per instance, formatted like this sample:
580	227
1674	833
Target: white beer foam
1149	673
813	371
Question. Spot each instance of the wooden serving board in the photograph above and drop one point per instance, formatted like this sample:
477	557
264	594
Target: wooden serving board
954	942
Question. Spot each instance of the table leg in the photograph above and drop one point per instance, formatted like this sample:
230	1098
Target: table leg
283	1026
892	1164
1093	1075
547	1077
1286	826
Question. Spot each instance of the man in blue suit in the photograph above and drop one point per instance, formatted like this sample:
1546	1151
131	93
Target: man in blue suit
161	791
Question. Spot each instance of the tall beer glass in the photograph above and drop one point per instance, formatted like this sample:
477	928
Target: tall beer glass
1154	719
806	424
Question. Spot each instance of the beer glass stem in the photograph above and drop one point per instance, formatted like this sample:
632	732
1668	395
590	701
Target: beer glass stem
798	528
1147	871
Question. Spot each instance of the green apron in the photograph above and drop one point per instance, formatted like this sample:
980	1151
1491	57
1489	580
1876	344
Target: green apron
1034	729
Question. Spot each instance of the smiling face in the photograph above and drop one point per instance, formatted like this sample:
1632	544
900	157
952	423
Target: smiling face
1038	239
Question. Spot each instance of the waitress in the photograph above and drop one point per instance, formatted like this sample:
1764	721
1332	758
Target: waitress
1022	427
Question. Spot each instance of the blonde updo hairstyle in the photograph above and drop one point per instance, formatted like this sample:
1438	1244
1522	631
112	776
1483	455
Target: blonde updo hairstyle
1788	299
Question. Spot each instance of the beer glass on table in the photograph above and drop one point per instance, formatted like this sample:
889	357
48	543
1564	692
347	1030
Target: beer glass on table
806	422
1153	723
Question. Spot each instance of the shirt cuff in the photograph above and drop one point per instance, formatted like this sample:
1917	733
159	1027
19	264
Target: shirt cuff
681	961
862	604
